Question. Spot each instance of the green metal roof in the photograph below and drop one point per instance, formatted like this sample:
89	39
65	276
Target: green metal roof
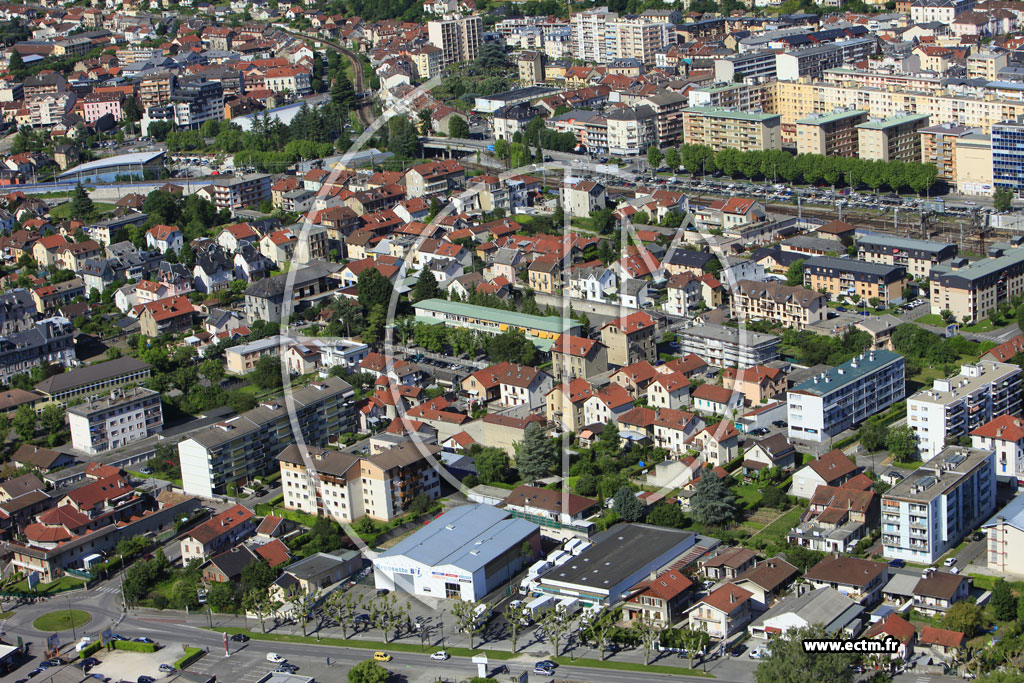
820	119
723	113
841	375
551	324
891	121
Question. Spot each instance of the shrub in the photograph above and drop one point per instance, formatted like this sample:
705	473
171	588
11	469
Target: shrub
133	646
90	650
159	601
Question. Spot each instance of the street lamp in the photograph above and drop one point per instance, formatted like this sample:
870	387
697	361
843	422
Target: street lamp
71	616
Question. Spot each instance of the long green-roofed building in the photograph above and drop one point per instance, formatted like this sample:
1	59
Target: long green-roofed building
542	330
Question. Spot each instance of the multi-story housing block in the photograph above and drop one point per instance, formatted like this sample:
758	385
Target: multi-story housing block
243	447
344	487
971	289
793	307
241	191
939	148
838	277
724	346
458	38
114	421
896	138
844	396
1004	436
719	128
833	134
918	257
933	508
956	406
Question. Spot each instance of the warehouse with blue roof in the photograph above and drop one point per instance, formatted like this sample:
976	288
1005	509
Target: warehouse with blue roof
466	553
109	169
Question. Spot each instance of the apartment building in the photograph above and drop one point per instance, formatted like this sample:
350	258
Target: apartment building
114	421
730	129
956	406
241	191
668	112
156	89
811	62
844	396
839	277
631	130
918	257
196	100
573	357
457	37
344	486
49	110
971	289
896	138
725	347
833	134
630	339
94	379
243	447
757	65
638	37
1004	436
934	507
939	147
974	165
1005	537
986	64
794	307
589	30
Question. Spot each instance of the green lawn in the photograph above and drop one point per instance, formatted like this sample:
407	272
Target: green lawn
61	584
748	494
983	326
912	465
633	666
64	210
931	319
781	526
523	219
986	582
62	620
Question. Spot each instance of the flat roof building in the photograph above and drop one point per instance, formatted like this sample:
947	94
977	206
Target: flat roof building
720	128
541	330
108	168
839	277
833	134
972	289
94	379
114	421
956	406
616	561
844	396
917	256
935	506
464	554
896	138
728	346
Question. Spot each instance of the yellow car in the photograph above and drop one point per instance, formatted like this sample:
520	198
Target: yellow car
382	656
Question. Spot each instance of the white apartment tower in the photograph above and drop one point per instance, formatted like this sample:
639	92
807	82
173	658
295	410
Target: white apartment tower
956	406
113	421
458	38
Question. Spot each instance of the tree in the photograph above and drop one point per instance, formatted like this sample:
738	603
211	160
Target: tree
517	617
427	287
1004	605
492	464
5	428
52	419
303	605
343	95
368	671
648	633
257	576
789	663
654	157
458	128
712	502
342	606
795	273
556	623
672	158
774	497
82	206
872	435
536	455
1002	199
266	375
258	602
374	289
465	614
902	442
16	64
965	617
24	422
603	629
666	514
628	506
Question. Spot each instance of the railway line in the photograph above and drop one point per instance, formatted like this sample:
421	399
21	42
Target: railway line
364	108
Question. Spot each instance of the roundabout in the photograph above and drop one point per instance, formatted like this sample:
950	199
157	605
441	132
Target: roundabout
61	620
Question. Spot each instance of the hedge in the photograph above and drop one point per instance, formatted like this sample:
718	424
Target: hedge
90	649
133	646
191	655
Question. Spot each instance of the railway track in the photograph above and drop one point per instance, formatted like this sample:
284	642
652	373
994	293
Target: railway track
364	110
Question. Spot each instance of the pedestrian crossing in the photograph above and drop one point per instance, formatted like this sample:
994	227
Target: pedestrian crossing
108	589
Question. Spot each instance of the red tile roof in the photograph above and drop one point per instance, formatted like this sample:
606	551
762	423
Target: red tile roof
728	598
1003	428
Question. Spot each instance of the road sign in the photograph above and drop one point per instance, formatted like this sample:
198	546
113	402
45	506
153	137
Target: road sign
33	580
53	642
106	637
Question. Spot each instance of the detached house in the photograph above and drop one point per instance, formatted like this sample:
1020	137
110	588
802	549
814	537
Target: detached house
771	451
164	238
831	469
218	533
630	339
859	580
660	599
573	356
722	613
565	404
758	384
717	444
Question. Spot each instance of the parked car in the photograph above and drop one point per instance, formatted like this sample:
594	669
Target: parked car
780	424
541	671
167	668
143	639
275	658
146	679
898	564
950	561
286	668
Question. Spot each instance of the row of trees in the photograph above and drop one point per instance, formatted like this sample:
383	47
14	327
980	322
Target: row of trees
812	169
